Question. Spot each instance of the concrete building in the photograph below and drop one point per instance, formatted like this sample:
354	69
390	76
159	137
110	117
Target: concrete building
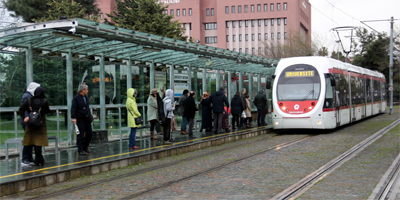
243	26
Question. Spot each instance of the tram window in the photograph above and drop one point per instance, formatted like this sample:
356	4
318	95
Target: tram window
377	91
368	88
383	91
329	98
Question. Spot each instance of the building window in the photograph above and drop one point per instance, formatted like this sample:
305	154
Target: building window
252	37
233	24
284	6
239	9
212	11
246	23
278	6
234	49
171	11
265	7
279	35
252	8
240	37
245	8
226	9
184	12
227	38
258	7
272	7
101	16
246	37
227	24
285	35
240	50
178	12
211	26
259	22
252	23
234	38
211	40
240	23
259	37
253	51
265	36
285	21
272	36
190	12
190	26
259	50
208	12
233	9
166	12
247	50
278	21
272	22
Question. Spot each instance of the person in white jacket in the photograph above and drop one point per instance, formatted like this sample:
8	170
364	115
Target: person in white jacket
169	108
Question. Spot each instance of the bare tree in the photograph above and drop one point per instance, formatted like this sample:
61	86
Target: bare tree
6	20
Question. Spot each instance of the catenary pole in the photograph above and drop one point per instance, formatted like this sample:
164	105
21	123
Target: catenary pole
391	65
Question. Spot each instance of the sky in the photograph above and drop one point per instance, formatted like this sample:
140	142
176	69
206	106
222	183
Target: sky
328	14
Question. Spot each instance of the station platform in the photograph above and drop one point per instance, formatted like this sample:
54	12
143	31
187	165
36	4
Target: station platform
67	164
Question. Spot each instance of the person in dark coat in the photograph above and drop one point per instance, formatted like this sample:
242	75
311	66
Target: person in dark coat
190	111
81	116
206	117
244	104
36	136
236	110
260	101
181	111
218	99
225	118
27	158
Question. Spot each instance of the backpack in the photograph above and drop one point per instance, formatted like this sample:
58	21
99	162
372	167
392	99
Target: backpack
35	119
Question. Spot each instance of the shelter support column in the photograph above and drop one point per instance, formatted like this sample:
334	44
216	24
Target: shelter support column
250	86
189	71
171	78
229	81
70	95
204	81
240	82
29	66
152	76
258	82
102	94
217	78
129	74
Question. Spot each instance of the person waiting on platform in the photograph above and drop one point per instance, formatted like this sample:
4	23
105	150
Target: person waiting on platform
81	116
247	120
225	118
152	112
218	99
36	134
181	111
133	113
190	112
260	101
244	105
236	105
27	158
169	108
206	117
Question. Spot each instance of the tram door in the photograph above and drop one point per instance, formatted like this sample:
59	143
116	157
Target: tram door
337	108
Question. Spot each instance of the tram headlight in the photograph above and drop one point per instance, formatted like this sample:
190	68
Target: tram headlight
319	122
277	123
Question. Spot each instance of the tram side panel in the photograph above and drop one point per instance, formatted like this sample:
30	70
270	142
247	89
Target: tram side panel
376	95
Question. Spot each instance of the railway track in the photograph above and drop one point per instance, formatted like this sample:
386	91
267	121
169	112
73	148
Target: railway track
79	187
304	184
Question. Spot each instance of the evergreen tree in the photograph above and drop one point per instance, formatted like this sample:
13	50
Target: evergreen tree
31	10
323	51
146	16
338	55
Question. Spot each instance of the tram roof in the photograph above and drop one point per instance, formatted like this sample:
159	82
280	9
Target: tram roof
87	38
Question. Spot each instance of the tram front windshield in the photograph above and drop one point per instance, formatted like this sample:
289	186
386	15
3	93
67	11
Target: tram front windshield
299	83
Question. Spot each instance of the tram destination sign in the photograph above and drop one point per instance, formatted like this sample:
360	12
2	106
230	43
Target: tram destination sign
299	74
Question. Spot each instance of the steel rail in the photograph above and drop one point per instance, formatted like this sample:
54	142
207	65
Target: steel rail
79	187
168	184
388	186
304	184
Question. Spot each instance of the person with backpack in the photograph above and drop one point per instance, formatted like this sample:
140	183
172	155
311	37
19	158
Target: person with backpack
81	116
169	108
152	112
36	129
190	111
237	107
27	157
181	111
260	101
133	113
218	99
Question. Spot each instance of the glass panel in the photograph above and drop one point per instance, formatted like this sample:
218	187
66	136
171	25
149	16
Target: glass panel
13	79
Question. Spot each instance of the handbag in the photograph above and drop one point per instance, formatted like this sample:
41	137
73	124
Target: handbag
243	114
174	125
139	120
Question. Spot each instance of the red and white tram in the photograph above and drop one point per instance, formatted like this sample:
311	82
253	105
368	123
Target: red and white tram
324	93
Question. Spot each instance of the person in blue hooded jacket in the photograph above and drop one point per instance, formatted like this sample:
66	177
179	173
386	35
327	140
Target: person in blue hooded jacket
218	99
